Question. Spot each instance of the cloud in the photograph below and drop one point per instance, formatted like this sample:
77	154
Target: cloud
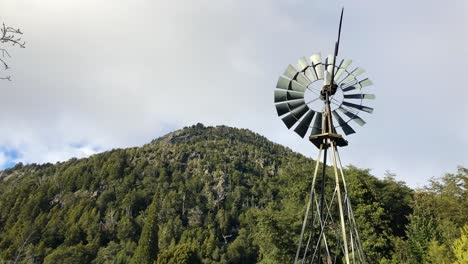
3	160
118	73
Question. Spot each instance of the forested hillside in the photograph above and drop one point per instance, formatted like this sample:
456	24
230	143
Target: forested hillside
213	195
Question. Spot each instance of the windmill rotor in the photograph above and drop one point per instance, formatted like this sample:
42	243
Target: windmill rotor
299	94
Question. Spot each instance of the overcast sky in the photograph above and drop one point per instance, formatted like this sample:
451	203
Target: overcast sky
103	74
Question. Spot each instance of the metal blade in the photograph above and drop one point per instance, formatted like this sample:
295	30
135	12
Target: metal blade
310	73
342	68
326	78
297	87
295	104
294	116
360	107
282	95
302	63
354	117
352	75
317	65
347	129
329	63
360	85
298	112
282	109
289	120
349	88
286	107
360	96
283	83
365	82
317	128
290	72
303	126
302	79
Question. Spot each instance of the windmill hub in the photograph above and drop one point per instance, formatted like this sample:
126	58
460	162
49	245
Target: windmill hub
330	89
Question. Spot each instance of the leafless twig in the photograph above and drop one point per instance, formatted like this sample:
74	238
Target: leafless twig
9	36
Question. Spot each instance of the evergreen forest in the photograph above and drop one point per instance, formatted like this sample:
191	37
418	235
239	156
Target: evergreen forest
214	195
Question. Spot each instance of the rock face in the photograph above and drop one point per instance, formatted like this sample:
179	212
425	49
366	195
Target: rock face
199	194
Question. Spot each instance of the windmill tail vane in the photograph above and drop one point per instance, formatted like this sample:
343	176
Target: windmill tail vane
322	98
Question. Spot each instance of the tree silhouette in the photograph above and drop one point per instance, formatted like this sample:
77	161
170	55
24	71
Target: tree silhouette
9	36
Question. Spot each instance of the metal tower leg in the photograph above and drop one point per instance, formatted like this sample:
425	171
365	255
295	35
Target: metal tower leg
311	196
322	199
352	221
340	203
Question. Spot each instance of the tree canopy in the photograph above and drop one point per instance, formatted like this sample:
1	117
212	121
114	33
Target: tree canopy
213	195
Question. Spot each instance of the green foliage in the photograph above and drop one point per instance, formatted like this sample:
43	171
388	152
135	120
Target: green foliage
212	195
179	254
460	247
420	231
437	254
147	250
241	250
74	255
439	212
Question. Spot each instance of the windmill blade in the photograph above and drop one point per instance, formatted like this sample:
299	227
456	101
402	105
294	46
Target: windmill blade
286	107
364	83
295	104
360	96
317	65
317	128
360	107
289	120
329	63
302	79
349	88
353	116
298	112
282	95
294	116
347	129
303	126
352	75
297	87
283	83
302	63
326	77
342	68
310	73
290	72
282	109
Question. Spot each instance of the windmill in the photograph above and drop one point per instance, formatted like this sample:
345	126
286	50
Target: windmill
317	99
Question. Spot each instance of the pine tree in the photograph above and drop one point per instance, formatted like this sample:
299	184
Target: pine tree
147	249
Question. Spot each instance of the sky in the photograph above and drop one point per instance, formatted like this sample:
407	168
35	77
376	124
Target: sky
103	74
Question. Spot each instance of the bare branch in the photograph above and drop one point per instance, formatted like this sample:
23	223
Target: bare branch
9	36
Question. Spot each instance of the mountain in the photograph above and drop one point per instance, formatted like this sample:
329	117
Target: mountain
197	195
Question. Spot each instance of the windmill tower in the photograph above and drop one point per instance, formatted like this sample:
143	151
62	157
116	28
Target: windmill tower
323	97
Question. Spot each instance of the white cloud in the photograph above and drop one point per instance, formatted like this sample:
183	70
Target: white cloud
3	159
